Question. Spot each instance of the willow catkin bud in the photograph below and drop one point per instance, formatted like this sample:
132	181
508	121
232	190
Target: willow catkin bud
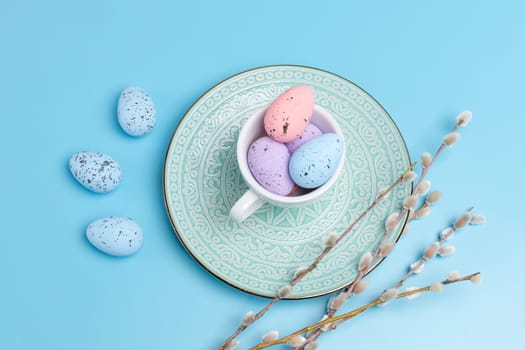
337	301
454	275
433	197
331	240
447	250
365	261
385	249
311	346
426	160
409	176
436	287
285	291
464	118
299	272
463	220
476	279
424	187
431	251
388	295
248	319
392	221
232	344
447	233
477	219
450	139
412	296
296	341
361	286
410	202
423	212
417	267
270	337
326	326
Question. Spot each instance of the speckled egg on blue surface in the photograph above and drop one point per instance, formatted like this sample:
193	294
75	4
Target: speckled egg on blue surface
315	162
97	172
119	236
268	163
309	133
136	112
290	113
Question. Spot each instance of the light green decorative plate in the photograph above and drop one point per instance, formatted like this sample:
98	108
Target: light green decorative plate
260	255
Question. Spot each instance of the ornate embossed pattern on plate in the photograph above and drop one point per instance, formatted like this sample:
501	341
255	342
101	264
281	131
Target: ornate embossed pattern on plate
259	255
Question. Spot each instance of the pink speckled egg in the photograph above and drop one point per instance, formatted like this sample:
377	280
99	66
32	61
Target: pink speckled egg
268	163
289	114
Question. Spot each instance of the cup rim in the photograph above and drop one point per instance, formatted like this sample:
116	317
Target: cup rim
275	198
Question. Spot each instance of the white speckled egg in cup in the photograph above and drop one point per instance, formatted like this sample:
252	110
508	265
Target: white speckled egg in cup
257	195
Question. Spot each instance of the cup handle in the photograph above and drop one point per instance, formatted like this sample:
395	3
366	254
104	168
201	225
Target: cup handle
245	206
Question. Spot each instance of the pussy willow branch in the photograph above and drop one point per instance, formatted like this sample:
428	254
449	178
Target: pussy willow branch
414	268
423	259
349	291
349	315
314	264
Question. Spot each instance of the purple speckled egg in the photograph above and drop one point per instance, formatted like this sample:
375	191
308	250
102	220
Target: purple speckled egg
309	133
268	162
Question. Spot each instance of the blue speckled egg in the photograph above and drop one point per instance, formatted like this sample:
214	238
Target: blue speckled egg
97	172
119	236
314	163
136	112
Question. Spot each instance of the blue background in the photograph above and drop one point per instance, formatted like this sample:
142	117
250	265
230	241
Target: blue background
62	67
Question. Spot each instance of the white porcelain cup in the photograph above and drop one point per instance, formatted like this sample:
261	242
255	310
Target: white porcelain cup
256	195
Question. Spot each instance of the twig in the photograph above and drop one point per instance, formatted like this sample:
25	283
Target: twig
283	292
349	315
349	291
427	256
